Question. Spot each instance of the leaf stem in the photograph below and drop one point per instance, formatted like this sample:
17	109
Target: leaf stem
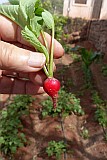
46	71
46	45
51	55
44	38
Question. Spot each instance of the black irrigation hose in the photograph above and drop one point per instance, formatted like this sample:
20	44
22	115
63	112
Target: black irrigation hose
64	136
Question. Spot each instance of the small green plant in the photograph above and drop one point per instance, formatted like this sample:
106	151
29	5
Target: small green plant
47	5
60	22
75	57
101	115
96	98
104	70
10	124
85	133
67	103
101	111
56	149
67	48
88	57
73	52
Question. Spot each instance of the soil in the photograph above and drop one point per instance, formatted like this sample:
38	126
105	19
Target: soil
40	131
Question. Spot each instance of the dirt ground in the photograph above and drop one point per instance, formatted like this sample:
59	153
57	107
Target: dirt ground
39	132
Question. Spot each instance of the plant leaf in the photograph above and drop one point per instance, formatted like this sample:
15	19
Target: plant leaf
14	2
26	10
31	37
37	4
23	18
10	11
2	140
28	7
38	11
30	10
48	19
35	26
27	3
14	13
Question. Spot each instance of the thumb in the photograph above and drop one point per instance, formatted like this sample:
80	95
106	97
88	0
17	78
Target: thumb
18	59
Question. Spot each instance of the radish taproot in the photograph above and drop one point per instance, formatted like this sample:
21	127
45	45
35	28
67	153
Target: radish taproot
52	86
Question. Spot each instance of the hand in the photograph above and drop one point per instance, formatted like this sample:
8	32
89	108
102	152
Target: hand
21	66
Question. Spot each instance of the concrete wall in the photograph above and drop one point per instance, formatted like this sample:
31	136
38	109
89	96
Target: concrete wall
77	10
65	7
98	34
103	14
84	10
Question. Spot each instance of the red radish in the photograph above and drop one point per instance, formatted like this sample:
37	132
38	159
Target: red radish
51	87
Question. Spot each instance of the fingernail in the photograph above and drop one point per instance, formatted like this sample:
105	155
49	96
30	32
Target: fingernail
36	59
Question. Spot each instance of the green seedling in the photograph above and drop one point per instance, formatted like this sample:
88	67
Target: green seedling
88	57
10	124
67	103
56	149
101	112
104	70
85	133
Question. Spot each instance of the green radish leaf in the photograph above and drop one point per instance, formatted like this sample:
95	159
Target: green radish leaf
16	14
28	6
37	4
48	19
30	11
35	26
27	3
38	11
26	10
22	16
31	37
14	2
10	11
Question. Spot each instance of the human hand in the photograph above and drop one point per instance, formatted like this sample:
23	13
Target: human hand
21	66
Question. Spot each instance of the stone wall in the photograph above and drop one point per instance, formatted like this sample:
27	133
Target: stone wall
97	34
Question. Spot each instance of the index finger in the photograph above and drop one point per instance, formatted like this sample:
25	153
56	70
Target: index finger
11	32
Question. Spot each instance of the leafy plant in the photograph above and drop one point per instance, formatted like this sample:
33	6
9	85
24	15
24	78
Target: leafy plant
67	103
104	70
47	5
75	57
88	57
56	149
96	98
101	110
85	133
60	22
101	115
56	6
11	136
